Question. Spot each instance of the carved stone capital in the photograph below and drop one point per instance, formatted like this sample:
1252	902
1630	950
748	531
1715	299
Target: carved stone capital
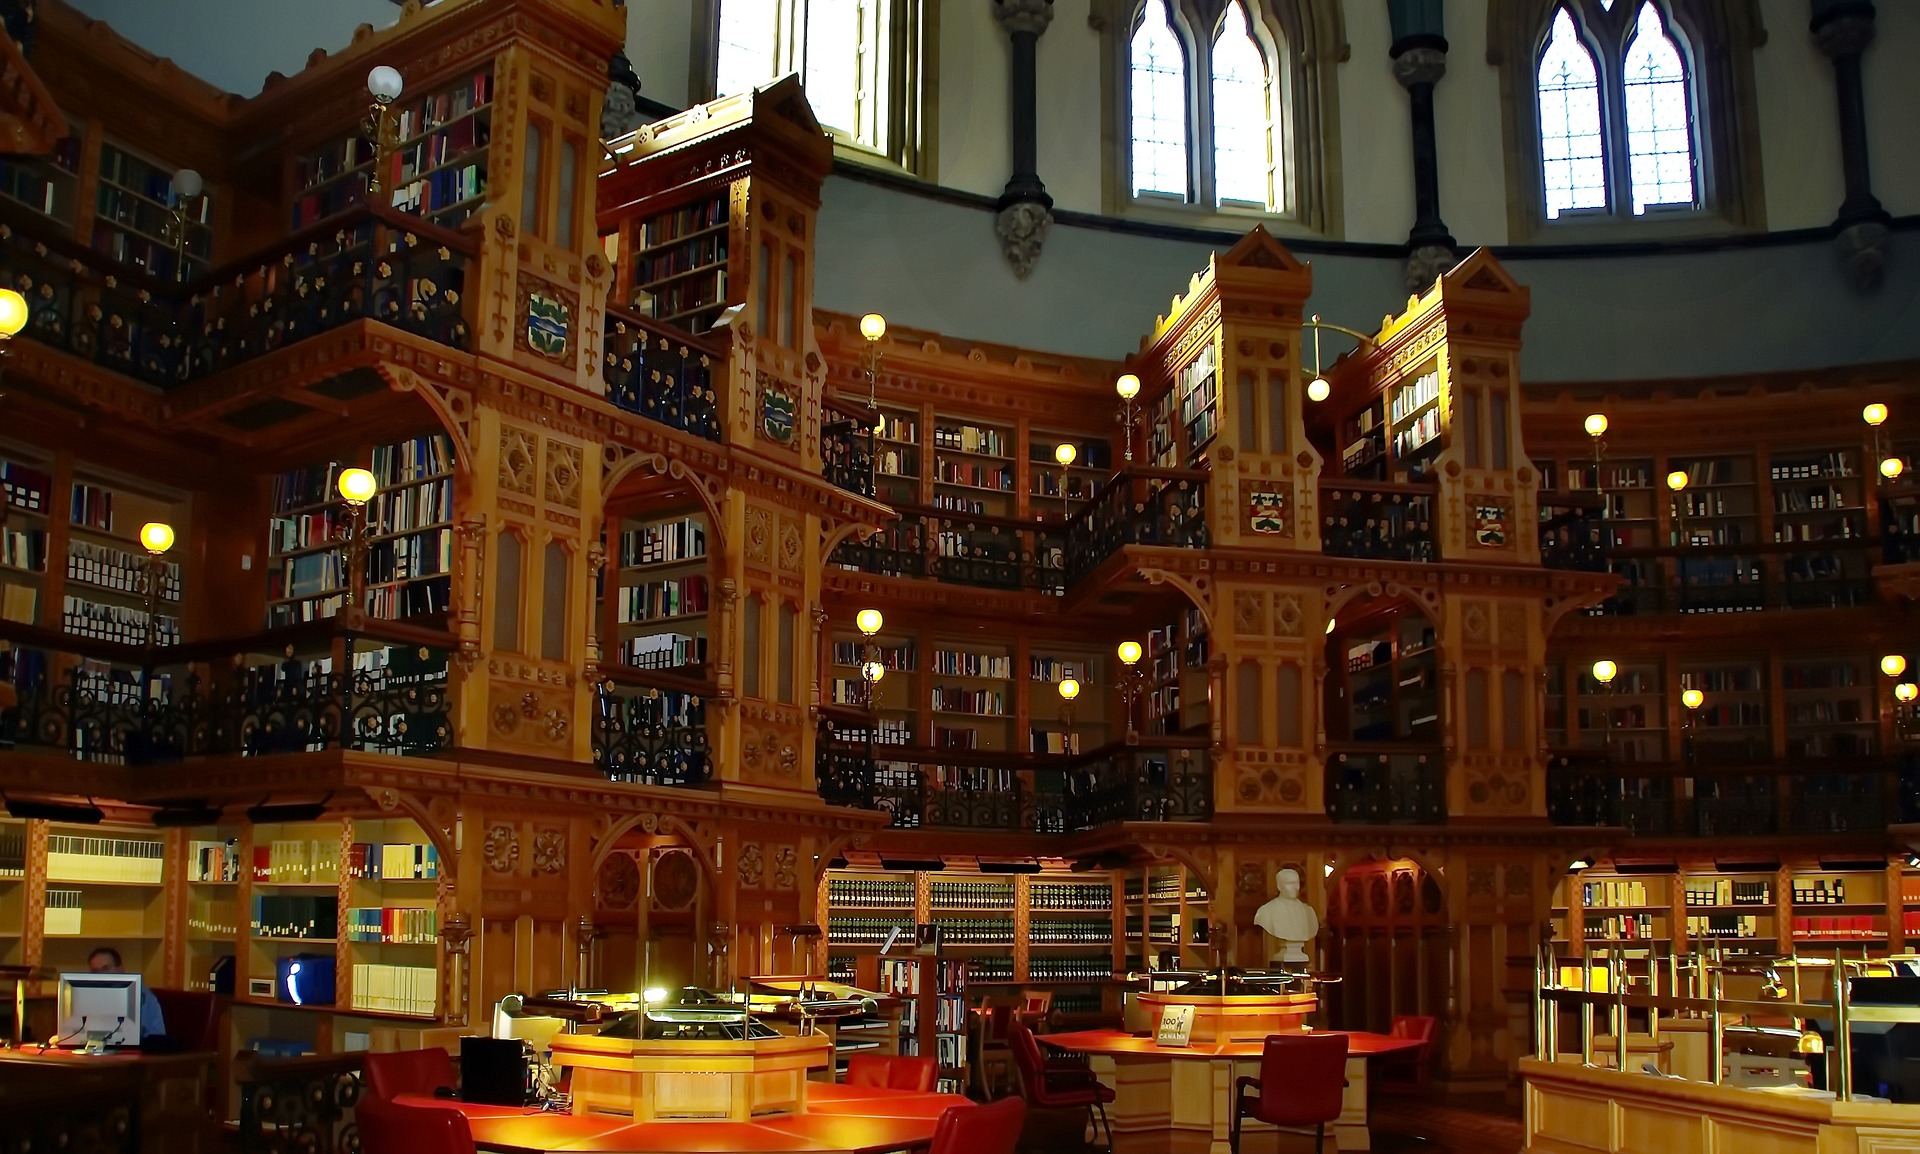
1426	263
1846	35
1862	249
1018	16
1022	228
1419	66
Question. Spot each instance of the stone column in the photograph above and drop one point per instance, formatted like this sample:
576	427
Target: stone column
1843	29
1419	54
1025	210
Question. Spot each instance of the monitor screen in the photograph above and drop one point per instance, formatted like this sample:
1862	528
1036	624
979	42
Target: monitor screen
99	1010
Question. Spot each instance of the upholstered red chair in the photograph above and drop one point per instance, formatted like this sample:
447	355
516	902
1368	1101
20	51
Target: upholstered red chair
387	1076
386	1127
192	1018
893	1072
990	1129
1407	1070
1058	1085
1302	1079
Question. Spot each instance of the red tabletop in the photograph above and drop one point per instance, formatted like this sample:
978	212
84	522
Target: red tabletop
1118	1044
855	1119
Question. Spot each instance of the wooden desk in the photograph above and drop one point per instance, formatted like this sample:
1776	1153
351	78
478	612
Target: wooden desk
72	1101
839	1120
1179	1099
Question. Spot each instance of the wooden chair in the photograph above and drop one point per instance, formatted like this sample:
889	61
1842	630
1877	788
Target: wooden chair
1059	1085
893	1072
387	1076
992	1056
1035	1006
1303	1078
1408	1070
990	1129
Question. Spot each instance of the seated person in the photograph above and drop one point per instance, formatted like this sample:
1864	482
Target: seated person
106	960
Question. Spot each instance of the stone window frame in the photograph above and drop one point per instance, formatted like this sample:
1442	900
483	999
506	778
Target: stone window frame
1312	34
1717	39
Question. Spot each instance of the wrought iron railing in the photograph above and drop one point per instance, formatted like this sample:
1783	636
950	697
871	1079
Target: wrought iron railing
1377	520
1573	532
1157	779
1742	579
846	444
1140	507
962	549
372	263
123	705
1855	796
662	374
1386	784
651	729
298	1105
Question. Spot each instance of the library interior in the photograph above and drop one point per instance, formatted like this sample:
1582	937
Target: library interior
1151	576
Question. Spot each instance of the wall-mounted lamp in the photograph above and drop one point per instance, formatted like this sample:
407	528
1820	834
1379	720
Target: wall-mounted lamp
872	668
1893	665
13	318
156	537
873	326
1892	467
1317	388
1677	484
1605	671
182	215
357	487
1692	699
1131	681
1596	427
1128	386
382	126
1069	690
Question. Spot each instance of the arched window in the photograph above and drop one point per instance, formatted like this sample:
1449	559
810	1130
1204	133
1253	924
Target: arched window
858	60
1629	111
1242	119
1159	86
1223	104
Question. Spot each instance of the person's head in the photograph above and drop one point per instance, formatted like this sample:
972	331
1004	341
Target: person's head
104	960
1287	881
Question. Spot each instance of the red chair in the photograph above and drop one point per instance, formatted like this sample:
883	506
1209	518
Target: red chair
1060	1085
192	1018
1408	1069
387	1127
387	1076
893	1072
1302	1080
990	1129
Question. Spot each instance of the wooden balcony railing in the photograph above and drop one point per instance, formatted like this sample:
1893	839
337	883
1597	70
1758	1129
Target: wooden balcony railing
651	728
1157	779
1140	507
1378	520
1379	783
280	692
371	263
1845	796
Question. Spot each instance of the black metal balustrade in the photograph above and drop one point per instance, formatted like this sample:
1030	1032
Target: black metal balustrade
1141	507
121	705
962	549
1723	579
1381	784
1573	532
299	1105
648	734
1853	796
662	374
1377	520
1157	780
846	445
371	263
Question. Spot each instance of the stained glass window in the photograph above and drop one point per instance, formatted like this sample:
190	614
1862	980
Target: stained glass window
1572	147
1241	116
1659	116
1159	108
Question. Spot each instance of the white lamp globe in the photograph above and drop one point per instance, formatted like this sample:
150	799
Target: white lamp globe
385	84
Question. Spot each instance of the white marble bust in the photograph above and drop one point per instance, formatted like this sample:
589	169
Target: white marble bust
1288	920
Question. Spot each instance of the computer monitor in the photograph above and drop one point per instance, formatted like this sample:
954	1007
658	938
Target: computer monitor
99	1010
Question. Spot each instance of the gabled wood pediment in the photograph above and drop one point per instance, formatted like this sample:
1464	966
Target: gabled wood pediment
1484	281
1259	249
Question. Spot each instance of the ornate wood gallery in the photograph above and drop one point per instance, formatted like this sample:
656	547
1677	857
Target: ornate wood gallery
828	576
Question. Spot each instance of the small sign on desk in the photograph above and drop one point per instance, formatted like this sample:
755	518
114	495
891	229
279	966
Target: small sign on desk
1176	1026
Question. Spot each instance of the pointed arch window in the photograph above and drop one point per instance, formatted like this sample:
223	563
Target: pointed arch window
1616	120
1242	114
1158	78
859	61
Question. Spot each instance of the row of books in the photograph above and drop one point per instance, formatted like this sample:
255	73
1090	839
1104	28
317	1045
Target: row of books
959	663
305	487
213	917
896	658
393	925
995	477
317	861
413	459
667	541
213	861
664	650
302	917
117	569
1728	892
671	226
24	549
1054	741
1422	431
25	487
661	264
1836	464
425	597
673	301
428	553
442	190
74	858
63	913
468	134
659	599
1723	926
668	709
1852	927
980	702
395	989
13	852
415	506
118	623
968	439
1411	398
91	507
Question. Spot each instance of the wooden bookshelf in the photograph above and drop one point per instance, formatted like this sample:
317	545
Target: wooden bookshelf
439	167
1733	722
974	472
132	217
1389	678
103	571
971	695
1397	435
660	596
679	262
897	457
1164	922
1626	719
1829	707
48	185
